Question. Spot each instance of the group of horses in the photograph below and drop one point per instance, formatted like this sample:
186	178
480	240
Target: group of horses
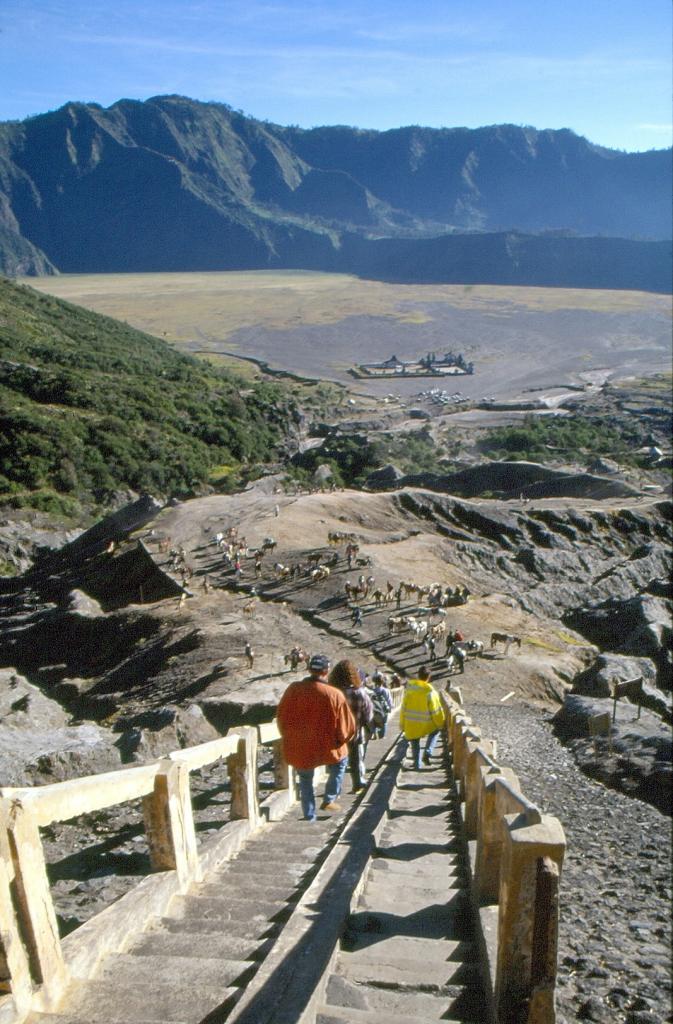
427	626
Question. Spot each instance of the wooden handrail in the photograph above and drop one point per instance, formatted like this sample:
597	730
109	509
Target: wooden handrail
516	802
206	753
515	843
60	801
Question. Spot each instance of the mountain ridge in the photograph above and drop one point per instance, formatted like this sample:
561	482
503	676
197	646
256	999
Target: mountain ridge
175	184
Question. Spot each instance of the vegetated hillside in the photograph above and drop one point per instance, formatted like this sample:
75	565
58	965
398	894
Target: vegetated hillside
173	184
89	406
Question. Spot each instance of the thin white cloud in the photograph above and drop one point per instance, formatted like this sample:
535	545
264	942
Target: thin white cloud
660	128
512	65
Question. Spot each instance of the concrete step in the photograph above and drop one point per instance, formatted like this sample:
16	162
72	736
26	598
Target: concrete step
464	1004
407	901
421	805
308	846
451	922
261	868
397	872
290	828
432	888
112	1002
396	846
387	860
430	976
286	833
145	972
216	945
259	930
430	831
58	1018
235	890
403	949
225	909
351	1015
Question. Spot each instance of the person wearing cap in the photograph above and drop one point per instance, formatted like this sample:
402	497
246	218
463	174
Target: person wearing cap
315	724
421	715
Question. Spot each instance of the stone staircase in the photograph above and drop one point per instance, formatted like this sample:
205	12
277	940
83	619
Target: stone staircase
196	960
406	950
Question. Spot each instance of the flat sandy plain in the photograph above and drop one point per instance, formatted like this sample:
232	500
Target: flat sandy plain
319	325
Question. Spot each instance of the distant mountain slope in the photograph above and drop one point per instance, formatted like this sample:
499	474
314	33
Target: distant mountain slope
501	178
173	184
90	406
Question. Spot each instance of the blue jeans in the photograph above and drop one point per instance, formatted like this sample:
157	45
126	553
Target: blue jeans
429	747
357	750
335	777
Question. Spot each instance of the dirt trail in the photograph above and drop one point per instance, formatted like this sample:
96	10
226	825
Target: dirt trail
316	616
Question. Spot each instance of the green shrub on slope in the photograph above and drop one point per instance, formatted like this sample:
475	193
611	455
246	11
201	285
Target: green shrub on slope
89	406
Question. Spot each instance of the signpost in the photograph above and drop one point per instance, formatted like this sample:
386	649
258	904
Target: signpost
601	725
631	688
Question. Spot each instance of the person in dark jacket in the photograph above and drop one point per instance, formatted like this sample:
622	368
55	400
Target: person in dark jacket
346	678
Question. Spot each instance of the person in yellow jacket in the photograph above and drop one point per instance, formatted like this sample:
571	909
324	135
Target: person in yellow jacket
421	715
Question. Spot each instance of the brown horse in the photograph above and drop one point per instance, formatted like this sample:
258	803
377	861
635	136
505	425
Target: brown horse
506	639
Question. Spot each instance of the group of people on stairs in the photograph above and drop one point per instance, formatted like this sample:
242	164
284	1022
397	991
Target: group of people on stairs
327	719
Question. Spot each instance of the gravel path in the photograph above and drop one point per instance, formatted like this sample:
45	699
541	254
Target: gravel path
615	930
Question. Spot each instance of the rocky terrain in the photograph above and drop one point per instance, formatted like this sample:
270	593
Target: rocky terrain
100	626
106	662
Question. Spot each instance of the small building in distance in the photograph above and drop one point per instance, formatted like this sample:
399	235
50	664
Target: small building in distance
430	365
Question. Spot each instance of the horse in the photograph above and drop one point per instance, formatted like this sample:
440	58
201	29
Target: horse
472	648
505	638
295	658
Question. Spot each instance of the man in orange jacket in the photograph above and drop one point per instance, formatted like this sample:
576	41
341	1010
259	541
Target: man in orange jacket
316	724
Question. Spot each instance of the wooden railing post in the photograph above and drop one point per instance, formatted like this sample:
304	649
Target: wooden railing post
12	949
283	773
35	908
527	921
169	824
242	768
489	835
545	942
477	754
460	751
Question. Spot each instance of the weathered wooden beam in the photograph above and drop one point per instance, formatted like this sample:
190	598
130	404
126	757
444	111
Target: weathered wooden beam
63	800
34	906
20	982
169	824
242	768
528	921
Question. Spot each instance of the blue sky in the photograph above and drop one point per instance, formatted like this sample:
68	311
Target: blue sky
599	67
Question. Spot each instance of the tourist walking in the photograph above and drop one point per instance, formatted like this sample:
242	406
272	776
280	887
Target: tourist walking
250	654
316	723
345	677
382	703
421	715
